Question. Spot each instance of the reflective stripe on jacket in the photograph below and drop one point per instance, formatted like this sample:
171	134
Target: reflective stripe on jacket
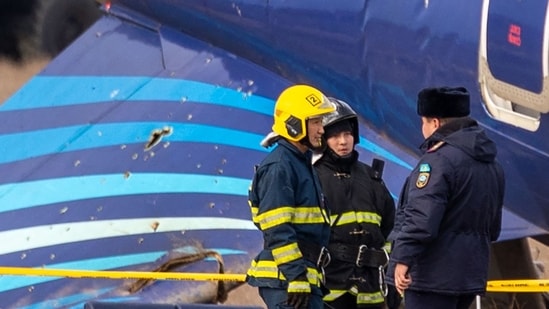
362	213
287	206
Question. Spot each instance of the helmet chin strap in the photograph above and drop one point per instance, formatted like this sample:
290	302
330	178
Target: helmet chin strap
318	148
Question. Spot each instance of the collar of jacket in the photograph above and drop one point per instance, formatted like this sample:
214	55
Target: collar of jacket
338	163
446	130
307	155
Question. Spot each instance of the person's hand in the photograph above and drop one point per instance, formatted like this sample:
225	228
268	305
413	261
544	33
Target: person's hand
299	291
402	279
298	300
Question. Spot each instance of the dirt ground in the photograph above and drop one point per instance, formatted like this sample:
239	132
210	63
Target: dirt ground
540	256
245	295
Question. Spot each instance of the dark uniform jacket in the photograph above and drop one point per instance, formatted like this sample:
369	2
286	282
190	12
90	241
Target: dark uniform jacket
287	206
362	213
450	211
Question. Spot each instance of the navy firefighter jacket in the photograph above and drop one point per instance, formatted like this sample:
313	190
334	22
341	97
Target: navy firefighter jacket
287	206
450	211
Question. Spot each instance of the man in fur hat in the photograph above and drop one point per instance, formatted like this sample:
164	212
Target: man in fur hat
449	209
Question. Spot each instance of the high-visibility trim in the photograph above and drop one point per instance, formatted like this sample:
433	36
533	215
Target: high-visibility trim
369	298
356	217
283	215
254	210
265	269
308	215
388	246
269	269
274	217
361	298
334	294
299	287
287	253
314	276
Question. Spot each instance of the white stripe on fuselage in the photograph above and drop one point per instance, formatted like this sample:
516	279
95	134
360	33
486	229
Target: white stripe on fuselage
56	234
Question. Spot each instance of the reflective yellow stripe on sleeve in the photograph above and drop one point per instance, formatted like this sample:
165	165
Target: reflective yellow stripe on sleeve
254	210
269	269
286	253
283	215
299	287
314	276
264	269
274	217
309	215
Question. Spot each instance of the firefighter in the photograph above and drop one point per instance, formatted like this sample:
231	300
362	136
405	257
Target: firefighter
287	205
362	216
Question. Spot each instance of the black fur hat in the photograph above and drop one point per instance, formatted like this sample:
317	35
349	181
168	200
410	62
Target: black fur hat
443	102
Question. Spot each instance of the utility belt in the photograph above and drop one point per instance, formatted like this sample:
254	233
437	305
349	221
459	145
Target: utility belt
319	255
361	255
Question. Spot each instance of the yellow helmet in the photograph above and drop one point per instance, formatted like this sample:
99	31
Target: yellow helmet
294	106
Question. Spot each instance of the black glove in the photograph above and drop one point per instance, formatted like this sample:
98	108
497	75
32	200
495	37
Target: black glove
298	300
393	298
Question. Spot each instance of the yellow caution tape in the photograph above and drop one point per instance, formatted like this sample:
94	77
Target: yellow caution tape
107	274
492	286
518	286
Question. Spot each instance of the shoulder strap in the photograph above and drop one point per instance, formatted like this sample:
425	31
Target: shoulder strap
436	146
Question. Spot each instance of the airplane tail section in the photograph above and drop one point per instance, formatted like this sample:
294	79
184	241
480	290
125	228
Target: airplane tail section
133	150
